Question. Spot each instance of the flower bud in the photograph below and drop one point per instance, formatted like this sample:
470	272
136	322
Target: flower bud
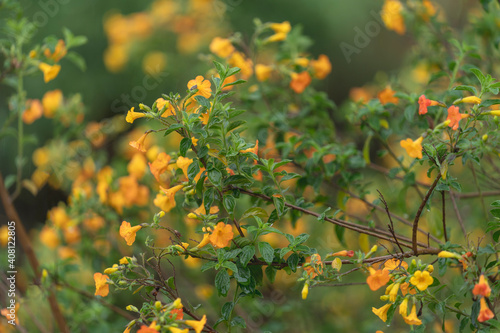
305	290
178	304
132	308
158	305
485	137
430	268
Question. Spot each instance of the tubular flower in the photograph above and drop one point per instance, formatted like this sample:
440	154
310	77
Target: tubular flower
382	312
254	150
484	313
51	101
391	15
321	67
281	31
33	112
393	264
469	99
197	324
222	47
412	318
405	289
183	163
343	253
378	278
454	116
315	265
132	115
222	235
424	103
300	81
447	254
178	330
159	165
202	85
204	241
166	200
263	72
59	51
482	287
49	72
387	96
421	280
101	287
394	292
169	110
413	148
403	307
139	144
128	232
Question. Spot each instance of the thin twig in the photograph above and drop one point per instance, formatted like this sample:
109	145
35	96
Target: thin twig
391	226
443	204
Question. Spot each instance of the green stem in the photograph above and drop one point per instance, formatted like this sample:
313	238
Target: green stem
20	127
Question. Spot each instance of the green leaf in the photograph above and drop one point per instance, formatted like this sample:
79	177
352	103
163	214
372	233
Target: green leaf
202	152
480	76
279	203
293	261
495	212
271	273
77	59
254	211
339	231
300	239
185	145
202	101
284	251
470	89
222	282
221	69
238	322
193	170
410	111
266	251
229	204
215	177
247	255
232	71
226	310
172	128
240	81
234	125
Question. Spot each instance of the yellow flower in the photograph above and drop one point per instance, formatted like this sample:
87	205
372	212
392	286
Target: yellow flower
41	157
204	241
111	270
59	51
115	57
154	63
263	72
321	67
166	200
132	115
393	264
59	217
403	307
281	31
197	324
183	163
222	47
33	112
382	312
128	232
49	72
413	148
177	304
254	150
202	85
412	318
246	65
421	280
101	287
469	99
124	261
194	141
51	101
447	254
391	15
139	144
137	166
178	330
394	292
222	235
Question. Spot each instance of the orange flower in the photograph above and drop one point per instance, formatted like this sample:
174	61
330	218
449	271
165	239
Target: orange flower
184	163
412	318
391	15
159	165
49	237
150	329
343	253
166	200
139	144
51	101
387	96
484	313
132	115
322	67
405	289
378	278
315	267
413	148
263	72
254	150
393	264
177	314
128	232
202	85
59	51
221	47
300	81
49	72
454	116
222	235
101	287
482	287
204	118
33	112
424	103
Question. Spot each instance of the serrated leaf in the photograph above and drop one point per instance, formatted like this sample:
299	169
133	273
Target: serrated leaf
203	101
271	273
267	252
215	177
247	254
293	261
254	211
184	146
222	282
193	170
229	203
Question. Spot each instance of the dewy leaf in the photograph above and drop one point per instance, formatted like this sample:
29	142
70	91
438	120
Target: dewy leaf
247	254
266	251
222	282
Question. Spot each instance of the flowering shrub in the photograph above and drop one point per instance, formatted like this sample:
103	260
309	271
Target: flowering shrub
230	188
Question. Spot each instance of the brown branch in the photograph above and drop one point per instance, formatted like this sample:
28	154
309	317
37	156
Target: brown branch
378	233
419	212
30	253
391	226
443	204
475	194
